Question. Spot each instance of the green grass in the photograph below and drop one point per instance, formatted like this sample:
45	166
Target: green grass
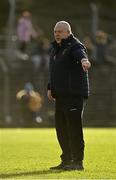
28	154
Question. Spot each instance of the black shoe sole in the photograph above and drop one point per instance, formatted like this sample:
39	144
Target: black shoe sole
71	168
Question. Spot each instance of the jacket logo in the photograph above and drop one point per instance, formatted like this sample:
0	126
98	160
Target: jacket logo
64	51
73	109
77	62
54	57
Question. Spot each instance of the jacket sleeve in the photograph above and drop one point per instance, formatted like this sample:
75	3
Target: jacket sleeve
79	52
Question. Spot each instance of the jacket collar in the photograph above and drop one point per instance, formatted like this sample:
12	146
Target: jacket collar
64	42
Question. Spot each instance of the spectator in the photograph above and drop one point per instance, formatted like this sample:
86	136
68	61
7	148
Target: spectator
25	31
30	104
90	47
39	53
101	42
36	55
45	44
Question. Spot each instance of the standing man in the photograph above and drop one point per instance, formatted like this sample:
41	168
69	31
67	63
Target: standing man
69	88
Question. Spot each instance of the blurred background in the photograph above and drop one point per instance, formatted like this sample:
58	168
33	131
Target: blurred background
26	30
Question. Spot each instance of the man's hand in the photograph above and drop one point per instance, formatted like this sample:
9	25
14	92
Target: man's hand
50	96
86	65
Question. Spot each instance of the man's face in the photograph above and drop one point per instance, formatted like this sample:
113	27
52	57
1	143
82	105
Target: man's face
60	32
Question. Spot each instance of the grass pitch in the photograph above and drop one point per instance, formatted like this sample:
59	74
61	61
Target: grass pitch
29	153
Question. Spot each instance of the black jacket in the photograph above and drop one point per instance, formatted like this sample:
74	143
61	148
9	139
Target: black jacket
67	77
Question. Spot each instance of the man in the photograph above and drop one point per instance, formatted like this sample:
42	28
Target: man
69	88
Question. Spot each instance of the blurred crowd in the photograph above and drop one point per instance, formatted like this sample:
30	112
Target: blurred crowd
32	44
32	47
101	49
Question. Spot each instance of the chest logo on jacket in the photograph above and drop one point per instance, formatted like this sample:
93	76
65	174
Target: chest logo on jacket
54	57
64	51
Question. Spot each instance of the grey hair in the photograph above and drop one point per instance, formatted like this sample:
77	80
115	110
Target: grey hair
64	24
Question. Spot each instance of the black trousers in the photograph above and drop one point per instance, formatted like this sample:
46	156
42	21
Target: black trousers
68	121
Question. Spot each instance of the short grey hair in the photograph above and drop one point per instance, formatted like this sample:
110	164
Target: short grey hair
65	24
